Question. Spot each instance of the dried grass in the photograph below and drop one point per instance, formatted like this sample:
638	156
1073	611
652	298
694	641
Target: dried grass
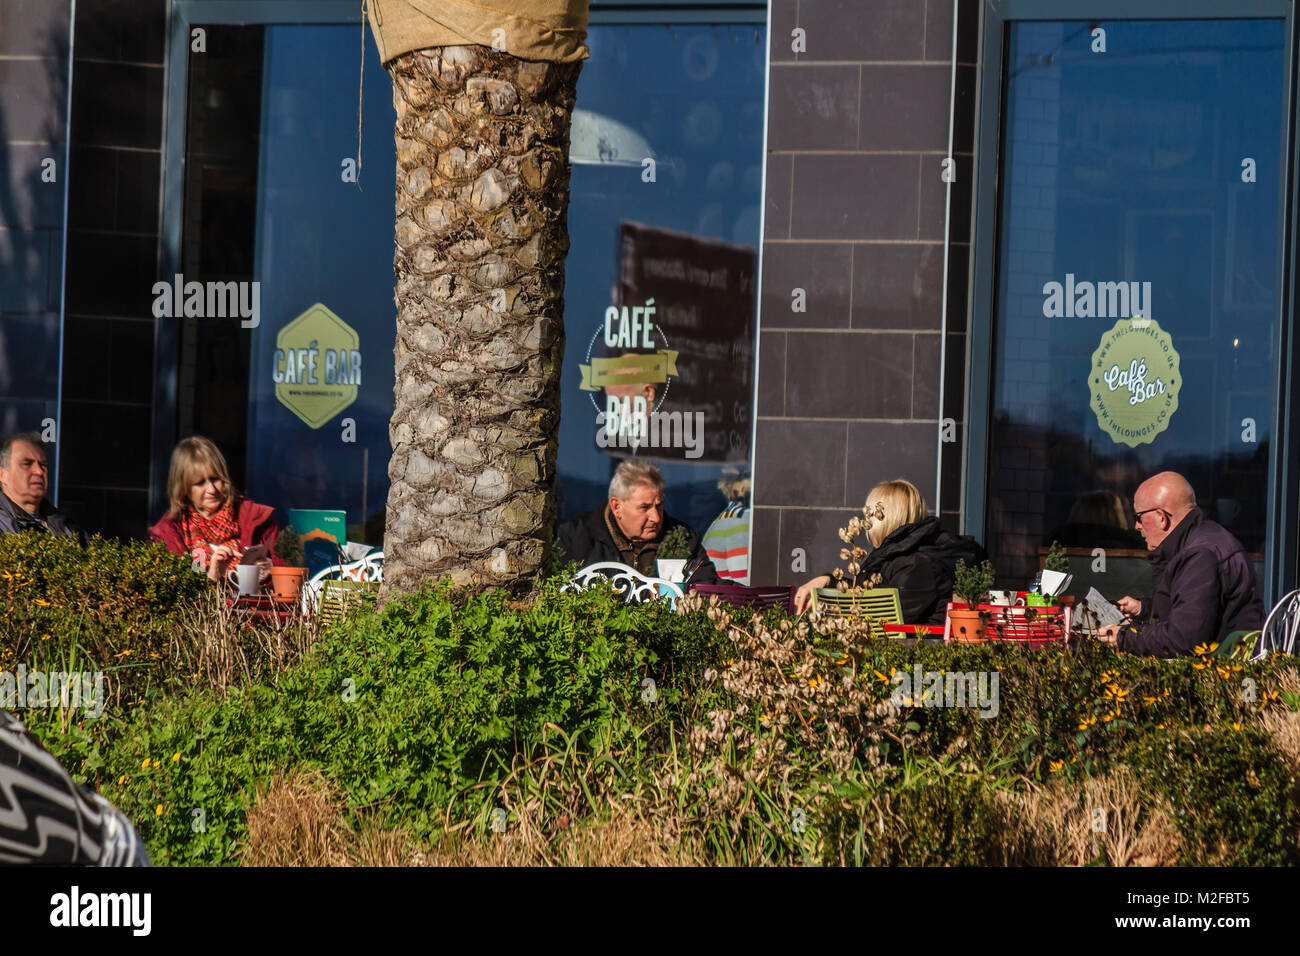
220	646
1283	726
1134	829
298	821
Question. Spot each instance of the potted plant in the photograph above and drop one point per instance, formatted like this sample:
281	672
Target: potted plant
286	579
1056	576
673	553
971	585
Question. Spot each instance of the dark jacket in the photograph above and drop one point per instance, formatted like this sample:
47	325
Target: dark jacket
14	519
587	540
1204	590
919	559
256	526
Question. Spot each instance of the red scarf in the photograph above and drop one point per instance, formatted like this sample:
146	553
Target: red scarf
202	535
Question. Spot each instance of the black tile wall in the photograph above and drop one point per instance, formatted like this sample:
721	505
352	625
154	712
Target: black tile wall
855	196
861	30
811	472
114	177
771	381
896	286
776	217
815	531
813	107
855	218
821	270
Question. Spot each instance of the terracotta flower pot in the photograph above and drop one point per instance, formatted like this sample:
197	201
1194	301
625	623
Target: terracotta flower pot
967	626
287	582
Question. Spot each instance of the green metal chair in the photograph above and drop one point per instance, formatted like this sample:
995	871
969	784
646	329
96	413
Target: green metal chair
337	597
880	605
1239	645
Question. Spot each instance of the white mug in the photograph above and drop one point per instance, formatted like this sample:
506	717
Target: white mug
1005	598
246	576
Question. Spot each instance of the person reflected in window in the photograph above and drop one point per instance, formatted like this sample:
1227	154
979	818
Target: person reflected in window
1098	520
1204	583
206	519
911	552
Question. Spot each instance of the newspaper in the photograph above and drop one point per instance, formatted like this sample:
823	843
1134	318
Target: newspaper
1097	613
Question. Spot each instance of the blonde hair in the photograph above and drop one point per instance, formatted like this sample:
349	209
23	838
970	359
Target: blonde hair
190	456
900	503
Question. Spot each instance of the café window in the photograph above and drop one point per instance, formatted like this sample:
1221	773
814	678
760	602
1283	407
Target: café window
1134	299
660	279
663	224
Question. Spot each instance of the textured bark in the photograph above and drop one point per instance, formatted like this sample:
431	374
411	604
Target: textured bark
482	199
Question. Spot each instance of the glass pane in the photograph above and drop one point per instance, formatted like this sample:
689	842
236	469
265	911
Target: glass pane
33	191
682	234
272	116
318	438
1140	179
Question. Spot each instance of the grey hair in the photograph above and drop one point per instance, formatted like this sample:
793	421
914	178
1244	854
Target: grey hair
6	449
632	473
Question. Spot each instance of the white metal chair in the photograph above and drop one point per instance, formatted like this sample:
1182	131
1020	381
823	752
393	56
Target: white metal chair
625	580
1281	628
368	569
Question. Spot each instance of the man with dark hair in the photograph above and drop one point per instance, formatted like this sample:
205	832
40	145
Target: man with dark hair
1204	583
630	526
23	481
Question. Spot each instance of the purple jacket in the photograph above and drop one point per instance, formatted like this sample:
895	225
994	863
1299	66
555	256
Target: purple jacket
1204	590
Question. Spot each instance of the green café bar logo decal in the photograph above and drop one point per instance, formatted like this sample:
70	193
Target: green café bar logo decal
317	365
1134	381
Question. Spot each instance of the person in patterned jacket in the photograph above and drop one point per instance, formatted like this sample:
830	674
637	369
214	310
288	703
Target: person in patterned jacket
47	819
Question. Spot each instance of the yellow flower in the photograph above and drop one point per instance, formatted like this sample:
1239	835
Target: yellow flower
1109	677
1056	765
43	603
1087	722
158	812
1237	726
1119	693
176	756
121	780
124	653
145	764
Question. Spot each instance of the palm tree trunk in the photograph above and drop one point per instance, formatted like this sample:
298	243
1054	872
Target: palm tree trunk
482	198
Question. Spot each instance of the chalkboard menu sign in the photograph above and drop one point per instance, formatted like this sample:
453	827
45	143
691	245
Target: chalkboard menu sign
681	336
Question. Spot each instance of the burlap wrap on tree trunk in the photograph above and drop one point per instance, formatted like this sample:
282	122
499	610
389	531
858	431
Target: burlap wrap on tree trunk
553	30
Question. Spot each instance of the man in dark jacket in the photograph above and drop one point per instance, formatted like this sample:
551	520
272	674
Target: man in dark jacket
630	526
23	472
1204	584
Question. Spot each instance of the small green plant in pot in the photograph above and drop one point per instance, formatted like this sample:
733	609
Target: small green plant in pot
1056	563
286	579
971	587
673	553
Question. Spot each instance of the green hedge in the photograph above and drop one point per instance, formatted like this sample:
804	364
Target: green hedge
420	713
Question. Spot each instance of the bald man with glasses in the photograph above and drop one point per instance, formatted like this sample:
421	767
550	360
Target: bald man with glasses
1204	584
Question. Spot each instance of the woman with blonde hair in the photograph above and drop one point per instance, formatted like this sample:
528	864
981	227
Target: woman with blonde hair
205	518
910	551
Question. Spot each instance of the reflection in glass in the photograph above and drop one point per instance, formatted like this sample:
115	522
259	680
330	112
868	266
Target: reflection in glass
1139	181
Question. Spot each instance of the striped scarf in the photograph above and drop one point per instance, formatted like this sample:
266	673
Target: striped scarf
202	535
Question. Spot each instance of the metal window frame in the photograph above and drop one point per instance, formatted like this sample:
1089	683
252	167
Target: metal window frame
1283	513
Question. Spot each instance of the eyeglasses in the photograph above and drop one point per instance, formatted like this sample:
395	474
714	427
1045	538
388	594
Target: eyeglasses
1137	518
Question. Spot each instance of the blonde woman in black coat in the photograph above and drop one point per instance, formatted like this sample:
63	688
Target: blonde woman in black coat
910	551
